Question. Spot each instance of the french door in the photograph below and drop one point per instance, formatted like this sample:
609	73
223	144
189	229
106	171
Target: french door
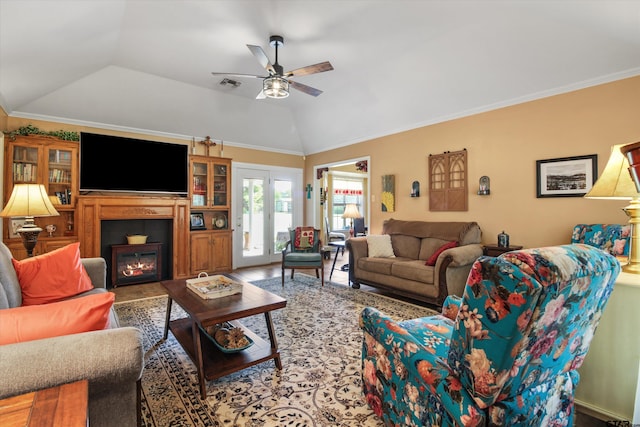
266	202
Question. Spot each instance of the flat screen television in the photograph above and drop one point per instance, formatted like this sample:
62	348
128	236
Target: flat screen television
112	163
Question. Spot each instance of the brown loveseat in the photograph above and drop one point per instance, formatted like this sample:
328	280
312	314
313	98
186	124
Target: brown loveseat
414	242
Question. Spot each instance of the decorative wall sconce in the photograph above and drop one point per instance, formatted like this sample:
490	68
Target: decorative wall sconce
415	189
485	186
309	189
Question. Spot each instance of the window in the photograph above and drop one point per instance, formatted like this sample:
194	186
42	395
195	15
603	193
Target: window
345	191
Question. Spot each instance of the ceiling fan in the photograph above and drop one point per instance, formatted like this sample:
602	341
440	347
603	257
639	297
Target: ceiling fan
277	83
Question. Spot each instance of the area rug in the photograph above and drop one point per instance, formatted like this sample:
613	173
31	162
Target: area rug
320	345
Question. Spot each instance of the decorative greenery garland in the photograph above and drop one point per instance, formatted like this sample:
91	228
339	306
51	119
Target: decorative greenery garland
32	130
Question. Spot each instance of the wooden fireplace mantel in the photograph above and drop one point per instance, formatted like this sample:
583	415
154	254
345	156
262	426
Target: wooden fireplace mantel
92	209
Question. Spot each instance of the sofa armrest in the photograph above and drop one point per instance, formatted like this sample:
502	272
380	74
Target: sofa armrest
106	358
452	269
97	270
358	248
387	343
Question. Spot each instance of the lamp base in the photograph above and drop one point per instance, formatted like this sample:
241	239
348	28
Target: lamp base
29	233
633	212
633	268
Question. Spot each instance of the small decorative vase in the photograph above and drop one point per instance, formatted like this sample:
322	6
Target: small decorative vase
503	240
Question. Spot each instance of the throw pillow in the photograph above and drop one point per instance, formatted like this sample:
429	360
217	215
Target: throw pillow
304	238
88	313
380	246
53	276
433	258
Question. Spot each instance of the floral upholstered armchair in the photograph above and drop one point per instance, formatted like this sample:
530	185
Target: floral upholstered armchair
510	356
613	238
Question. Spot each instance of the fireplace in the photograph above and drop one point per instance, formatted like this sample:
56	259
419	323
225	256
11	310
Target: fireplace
120	256
132	264
95	212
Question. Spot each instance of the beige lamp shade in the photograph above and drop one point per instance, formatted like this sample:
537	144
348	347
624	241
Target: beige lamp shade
29	200
615	181
351	211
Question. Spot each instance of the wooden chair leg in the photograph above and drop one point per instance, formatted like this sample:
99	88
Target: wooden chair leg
292	271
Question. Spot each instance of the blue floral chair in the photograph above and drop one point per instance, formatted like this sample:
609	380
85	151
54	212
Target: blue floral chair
510	356
613	238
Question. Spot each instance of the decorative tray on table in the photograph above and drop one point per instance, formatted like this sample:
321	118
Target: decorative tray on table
210	287
228	338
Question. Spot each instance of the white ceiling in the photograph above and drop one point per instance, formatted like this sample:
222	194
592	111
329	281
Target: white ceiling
145	65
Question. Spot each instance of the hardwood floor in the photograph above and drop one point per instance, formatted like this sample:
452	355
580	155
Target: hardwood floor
249	274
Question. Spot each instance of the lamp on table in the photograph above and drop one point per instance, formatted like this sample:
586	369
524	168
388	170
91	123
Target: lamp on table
351	212
29	201
616	183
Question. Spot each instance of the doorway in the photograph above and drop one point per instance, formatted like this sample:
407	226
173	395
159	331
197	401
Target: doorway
266	201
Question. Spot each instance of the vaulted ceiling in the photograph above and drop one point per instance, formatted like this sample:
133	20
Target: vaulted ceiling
145	65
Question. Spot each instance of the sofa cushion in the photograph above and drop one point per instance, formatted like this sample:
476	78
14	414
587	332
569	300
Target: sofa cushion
434	257
413	270
27	323
379	246
405	246
376	265
53	276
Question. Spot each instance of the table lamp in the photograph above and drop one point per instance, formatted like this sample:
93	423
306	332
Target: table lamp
29	201
616	183
351	212
632	151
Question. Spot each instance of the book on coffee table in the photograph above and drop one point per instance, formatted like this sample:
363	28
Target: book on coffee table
211	287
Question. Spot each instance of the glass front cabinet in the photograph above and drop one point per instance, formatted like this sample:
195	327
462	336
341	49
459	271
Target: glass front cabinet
52	162
210	214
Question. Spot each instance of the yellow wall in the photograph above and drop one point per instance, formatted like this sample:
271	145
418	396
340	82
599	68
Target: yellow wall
505	144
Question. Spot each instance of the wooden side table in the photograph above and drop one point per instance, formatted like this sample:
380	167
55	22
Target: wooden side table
495	250
62	406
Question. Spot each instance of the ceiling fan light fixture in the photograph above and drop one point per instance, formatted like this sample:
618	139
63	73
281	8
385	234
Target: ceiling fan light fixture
275	87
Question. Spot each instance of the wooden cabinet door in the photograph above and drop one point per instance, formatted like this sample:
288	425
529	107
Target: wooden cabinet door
201	250
221	252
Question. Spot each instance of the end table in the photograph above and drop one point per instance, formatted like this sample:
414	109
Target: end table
495	250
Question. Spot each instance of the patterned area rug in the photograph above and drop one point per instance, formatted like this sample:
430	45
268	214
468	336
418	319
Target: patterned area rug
320	346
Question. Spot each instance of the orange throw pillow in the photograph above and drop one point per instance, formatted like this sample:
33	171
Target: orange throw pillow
433	258
84	314
53	276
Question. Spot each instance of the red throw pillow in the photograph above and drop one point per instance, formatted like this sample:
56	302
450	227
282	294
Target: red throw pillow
53	276
433	258
84	314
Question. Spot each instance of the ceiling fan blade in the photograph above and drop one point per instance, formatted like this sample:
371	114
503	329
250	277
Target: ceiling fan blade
304	88
310	69
262	58
252	76
261	95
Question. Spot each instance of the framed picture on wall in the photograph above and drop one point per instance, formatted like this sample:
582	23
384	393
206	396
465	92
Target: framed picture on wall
197	221
566	176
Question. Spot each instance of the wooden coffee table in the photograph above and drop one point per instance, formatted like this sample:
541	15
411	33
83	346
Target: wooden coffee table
211	362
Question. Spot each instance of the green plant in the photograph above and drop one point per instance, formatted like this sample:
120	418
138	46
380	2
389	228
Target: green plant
32	130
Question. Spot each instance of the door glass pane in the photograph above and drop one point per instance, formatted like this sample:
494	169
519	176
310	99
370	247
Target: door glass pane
283	208
253	216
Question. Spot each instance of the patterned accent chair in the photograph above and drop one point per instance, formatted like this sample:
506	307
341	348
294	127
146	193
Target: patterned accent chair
612	238
303	252
510	357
